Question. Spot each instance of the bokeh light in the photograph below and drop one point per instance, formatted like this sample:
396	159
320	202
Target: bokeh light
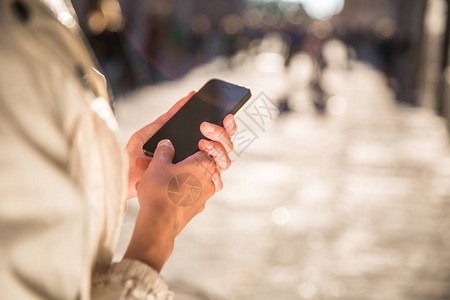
323	9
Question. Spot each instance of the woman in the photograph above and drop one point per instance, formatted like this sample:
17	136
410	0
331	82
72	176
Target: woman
64	178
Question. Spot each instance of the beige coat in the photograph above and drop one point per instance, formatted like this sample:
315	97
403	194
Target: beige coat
62	170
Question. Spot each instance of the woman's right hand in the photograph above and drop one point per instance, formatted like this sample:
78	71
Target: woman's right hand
169	195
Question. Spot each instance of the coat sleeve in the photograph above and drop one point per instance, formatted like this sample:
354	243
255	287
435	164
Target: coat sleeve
131	280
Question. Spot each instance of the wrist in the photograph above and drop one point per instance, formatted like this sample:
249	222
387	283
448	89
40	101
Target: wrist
153	239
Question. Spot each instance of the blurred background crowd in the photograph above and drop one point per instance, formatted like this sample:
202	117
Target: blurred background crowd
344	193
143	42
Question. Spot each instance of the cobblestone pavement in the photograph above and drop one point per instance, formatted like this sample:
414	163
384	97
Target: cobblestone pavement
354	205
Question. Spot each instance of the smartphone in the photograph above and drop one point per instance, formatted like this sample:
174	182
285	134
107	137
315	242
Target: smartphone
212	103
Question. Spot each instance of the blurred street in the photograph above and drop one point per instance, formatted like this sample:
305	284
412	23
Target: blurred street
352	203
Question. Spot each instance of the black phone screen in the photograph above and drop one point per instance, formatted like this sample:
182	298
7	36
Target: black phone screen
212	103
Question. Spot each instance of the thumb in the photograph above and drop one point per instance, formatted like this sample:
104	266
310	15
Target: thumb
142	162
164	152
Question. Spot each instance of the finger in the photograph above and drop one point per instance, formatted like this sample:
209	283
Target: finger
164	152
217	133
229	124
217	152
217	180
142	162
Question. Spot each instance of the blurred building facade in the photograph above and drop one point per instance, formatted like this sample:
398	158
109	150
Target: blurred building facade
435	81
388	34
413	38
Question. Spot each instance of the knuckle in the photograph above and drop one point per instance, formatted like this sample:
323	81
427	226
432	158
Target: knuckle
231	126
211	189
228	164
162	156
217	176
204	165
222	163
202	156
218	147
206	162
223	157
221	130
231	145
201	208
226	137
228	144
220	154
165	147
211	167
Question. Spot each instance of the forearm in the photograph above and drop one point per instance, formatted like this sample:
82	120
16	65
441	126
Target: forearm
153	238
137	275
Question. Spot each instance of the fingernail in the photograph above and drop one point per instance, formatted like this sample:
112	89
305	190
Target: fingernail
165	142
209	146
209	128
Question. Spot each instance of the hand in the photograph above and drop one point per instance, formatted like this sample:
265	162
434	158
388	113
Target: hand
170	195
137	161
219	145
